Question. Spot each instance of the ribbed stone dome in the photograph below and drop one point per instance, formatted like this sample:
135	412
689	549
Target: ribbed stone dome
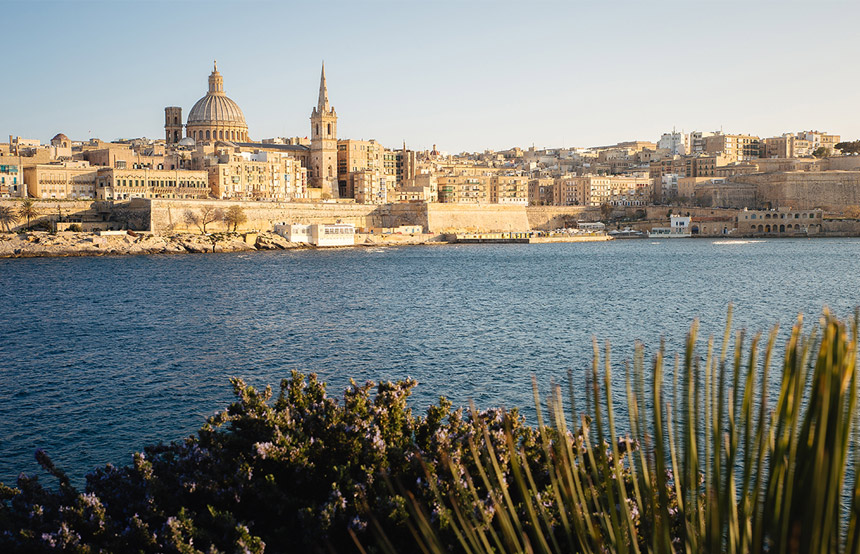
216	108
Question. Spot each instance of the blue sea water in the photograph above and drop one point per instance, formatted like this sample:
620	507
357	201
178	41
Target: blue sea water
102	356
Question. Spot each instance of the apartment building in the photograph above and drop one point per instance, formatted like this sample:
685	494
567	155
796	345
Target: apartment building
259	175
354	156
509	189
734	148
464	189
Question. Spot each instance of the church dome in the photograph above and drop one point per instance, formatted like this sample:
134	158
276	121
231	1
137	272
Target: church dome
215	108
215	116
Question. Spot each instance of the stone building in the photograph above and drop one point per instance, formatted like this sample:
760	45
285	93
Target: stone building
61	180
357	156
509	189
372	186
464	188
784	221
260	175
734	148
125	184
11	176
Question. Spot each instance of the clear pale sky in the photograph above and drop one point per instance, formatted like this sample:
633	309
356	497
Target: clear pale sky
465	75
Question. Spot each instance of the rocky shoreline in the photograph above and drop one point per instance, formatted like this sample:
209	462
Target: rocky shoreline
38	244
42	244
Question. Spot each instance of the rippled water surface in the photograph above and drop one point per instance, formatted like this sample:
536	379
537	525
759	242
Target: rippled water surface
102	356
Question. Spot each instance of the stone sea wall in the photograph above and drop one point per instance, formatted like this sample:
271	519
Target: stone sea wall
170	215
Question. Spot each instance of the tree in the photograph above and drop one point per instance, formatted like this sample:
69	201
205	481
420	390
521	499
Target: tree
821	152
7	217
235	216
849	147
28	210
208	214
606	210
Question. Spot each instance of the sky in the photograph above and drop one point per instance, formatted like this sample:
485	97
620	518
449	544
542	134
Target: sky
464	75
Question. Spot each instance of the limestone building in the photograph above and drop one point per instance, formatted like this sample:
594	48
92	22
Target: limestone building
124	184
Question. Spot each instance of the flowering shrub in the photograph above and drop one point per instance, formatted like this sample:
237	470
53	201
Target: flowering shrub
299	472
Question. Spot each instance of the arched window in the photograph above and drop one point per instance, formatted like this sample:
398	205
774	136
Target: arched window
767	228
781	228
329	130
318	129
221	133
207	135
176	121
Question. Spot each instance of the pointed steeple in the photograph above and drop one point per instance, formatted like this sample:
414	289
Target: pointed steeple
322	105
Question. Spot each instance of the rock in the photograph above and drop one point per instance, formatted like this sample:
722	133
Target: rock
272	241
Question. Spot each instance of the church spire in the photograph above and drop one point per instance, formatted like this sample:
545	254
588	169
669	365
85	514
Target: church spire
322	105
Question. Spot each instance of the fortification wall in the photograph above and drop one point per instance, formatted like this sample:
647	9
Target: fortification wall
547	218
51	210
831	191
484	218
170	215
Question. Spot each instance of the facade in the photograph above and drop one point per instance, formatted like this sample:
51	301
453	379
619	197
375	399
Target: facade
124	184
372	186
323	155
734	148
61	180
542	191
676	143
464	189
783	221
357	156
596	190
420	188
213	117
257	176
697	141
509	189
12	177
338	234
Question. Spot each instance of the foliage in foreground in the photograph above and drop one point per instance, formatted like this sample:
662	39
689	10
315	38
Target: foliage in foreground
720	459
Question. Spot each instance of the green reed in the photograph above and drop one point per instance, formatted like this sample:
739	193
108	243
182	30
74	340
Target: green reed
713	467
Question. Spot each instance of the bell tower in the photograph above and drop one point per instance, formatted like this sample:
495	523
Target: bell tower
173	124
323	165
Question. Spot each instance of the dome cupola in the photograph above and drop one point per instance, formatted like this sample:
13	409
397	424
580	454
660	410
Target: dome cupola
215	116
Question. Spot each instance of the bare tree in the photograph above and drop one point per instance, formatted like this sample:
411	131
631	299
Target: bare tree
208	214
